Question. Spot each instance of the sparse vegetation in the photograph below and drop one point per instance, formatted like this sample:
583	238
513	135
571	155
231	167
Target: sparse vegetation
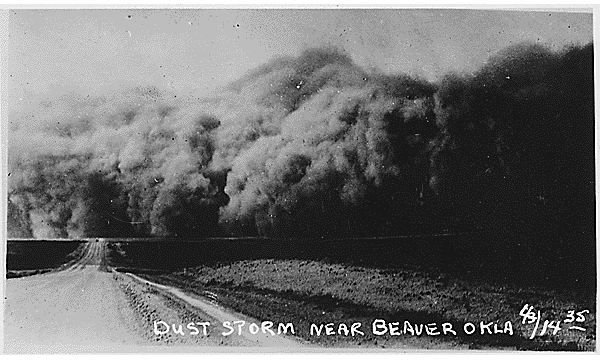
31	257
305	292
311	284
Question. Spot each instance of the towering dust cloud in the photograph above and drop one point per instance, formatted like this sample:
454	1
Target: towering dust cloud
313	146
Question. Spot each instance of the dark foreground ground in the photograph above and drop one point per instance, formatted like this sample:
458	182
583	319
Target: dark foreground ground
379	280
30	257
315	292
422	280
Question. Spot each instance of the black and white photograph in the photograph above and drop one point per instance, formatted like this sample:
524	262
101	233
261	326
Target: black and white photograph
298	180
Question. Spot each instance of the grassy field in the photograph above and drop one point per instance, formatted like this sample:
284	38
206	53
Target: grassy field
29	257
316	286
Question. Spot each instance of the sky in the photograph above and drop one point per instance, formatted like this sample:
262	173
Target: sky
53	52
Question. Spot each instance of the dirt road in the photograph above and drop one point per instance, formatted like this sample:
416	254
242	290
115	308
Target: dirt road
89	308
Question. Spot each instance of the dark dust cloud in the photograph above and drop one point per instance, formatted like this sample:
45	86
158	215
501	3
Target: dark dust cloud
315	145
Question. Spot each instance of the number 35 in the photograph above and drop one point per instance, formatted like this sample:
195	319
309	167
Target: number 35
579	318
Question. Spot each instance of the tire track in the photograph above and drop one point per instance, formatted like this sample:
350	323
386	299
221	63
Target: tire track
85	254
87	308
221	315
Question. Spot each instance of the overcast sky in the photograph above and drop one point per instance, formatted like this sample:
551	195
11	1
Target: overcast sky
51	52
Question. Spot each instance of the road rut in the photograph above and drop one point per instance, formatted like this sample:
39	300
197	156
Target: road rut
88	308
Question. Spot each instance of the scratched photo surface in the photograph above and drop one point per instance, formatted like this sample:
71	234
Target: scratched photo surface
299	180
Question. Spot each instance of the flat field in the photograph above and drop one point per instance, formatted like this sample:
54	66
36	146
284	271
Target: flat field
28	257
307	284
